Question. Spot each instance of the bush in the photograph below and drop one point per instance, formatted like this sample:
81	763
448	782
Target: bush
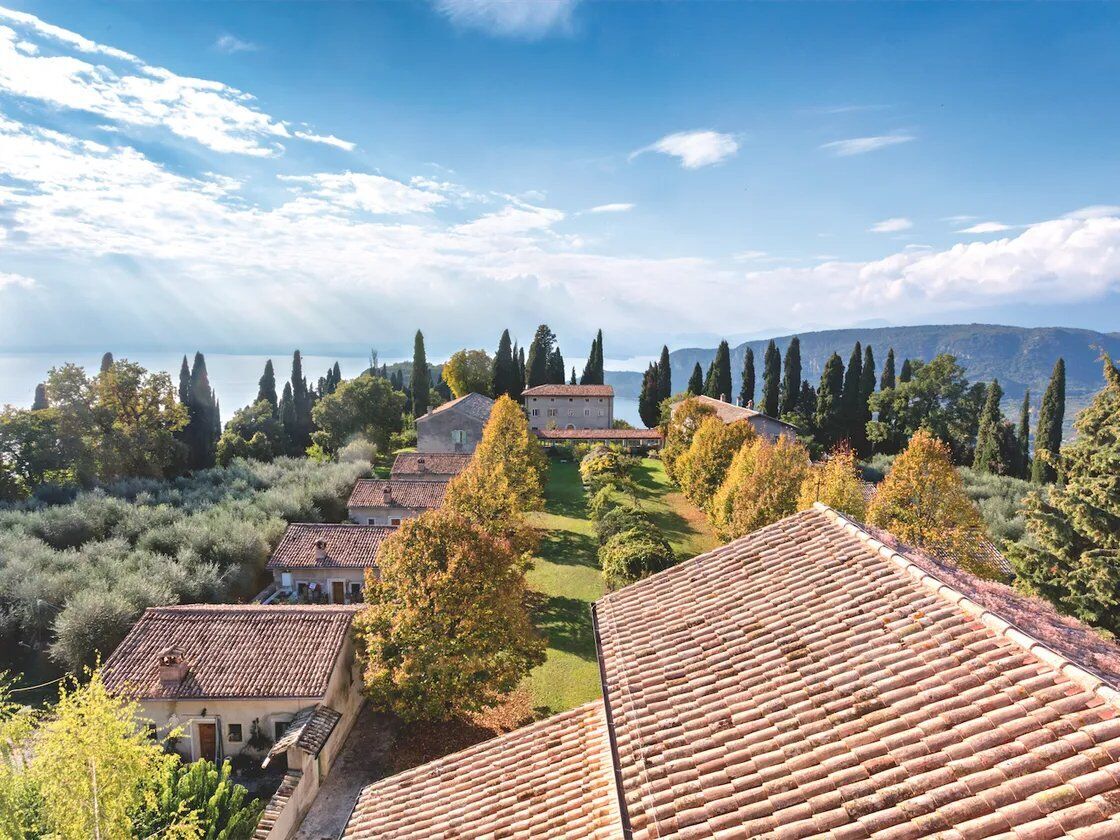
632	555
619	519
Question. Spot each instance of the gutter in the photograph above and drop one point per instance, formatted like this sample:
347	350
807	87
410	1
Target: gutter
623	814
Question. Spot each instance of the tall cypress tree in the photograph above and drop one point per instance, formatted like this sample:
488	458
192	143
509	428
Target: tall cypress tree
852	413
536	366
718	385
866	389
266	387
336	377
771	380
299	426
664	375
421	377
1024	435
573	380
746	388
696	381
791	377
987	457
287	409
201	413
1048	433
522	375
41	400
593	371
185	399
555	367
503	372
649	403
107	361
905	373
828	417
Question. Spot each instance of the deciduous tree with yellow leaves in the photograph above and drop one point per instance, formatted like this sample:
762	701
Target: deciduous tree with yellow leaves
835	482
762	486
701	469
508	448
684	420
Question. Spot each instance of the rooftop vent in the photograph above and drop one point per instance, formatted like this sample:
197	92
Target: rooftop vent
172	667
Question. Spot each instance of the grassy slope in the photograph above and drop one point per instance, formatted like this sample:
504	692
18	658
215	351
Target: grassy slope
567	580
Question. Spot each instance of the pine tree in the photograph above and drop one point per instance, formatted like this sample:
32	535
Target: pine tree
421	377
866	389
852	413
664	375
593	370
746	389
540	351
906	372
1024	435
503	371
1048	433
266	388
696	381
718	385
556	367
828	417
1073	556
649	403
41	400
987	457
771	380
791	378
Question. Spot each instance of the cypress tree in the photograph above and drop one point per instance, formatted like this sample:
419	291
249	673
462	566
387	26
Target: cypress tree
806	407
718	385
866	389
771	380
421	377
828	417
649	403
540	351
905	373
555	367
522	375
266	387
41	400
696	381
887	380
664	375
1024	435
336	377
298	428
1048	433
201	413
287	409
791	378
503	372
746	388
573	380
593	371
185	384
852	413
107	361
987	458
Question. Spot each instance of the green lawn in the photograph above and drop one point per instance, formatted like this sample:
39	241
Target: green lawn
566	578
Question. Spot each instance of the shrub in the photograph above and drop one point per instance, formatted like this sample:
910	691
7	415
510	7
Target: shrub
632	555
619	519
762	486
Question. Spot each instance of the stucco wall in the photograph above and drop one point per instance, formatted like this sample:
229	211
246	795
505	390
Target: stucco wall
771	428
576	412
433	431
381	515
321	576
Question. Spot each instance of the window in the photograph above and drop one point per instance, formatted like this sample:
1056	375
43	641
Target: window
355	593
601	412
396	520
279	727
552	412
587	412
571	412
458	436
286	580
371	521
234	735
536	412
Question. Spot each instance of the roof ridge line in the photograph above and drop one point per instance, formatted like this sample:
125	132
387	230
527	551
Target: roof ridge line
994	622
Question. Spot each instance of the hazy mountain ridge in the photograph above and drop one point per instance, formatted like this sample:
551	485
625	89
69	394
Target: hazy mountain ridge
1020	357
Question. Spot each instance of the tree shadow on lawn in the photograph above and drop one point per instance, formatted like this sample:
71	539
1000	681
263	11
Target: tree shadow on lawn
564	492
566	622
569	548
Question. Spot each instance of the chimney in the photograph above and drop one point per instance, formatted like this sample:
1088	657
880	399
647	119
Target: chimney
172	668
724	398
320	550
750	403
388	493
421	465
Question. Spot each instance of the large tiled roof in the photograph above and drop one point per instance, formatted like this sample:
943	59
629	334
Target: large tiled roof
809	681
569	391
599	434
418	495
347	546
473	405
550	780
232	651
420	464
731	413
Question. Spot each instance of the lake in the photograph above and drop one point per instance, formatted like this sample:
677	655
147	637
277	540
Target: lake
233	376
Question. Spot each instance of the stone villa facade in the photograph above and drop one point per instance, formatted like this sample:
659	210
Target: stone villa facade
569	406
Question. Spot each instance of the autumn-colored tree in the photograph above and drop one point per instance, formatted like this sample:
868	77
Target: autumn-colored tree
509	448
922	501
468	371
21	804
446	630
701	469
488	501
685	419
835	482
762	486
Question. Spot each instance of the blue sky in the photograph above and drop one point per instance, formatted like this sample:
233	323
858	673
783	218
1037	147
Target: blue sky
251	176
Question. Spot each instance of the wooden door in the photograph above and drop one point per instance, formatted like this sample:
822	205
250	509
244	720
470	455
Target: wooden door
207	741
338	592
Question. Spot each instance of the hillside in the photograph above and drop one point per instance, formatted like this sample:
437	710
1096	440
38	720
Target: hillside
1020	357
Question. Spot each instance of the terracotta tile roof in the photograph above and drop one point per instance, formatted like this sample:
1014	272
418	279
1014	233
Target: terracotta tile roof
417	495
569	391
346	546
232	651
549	780
474	405
731	413
808	681
428	464
277	804
599	434
309	730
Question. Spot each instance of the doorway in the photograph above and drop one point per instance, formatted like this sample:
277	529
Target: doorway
207	735
338	592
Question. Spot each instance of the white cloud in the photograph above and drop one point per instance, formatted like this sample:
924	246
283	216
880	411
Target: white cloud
620	207
986	227
748	256
899	223
959	220
510	220
136	94
694	148
327	140
7	279
357	191
230	44
863	145
1094	211
510	18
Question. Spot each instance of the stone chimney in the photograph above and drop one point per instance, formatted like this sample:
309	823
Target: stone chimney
172	668
725	398
320	550
388	494
750	403
421	465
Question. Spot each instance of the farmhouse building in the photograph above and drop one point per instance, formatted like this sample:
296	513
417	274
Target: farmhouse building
326	563
376	501
769	427
569	406
428	466
814	679
633	439
455	426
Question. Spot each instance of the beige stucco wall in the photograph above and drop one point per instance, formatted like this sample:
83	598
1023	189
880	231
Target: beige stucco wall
771	428
586	412
381	515
323	577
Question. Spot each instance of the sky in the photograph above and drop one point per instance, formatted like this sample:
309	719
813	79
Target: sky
252	177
